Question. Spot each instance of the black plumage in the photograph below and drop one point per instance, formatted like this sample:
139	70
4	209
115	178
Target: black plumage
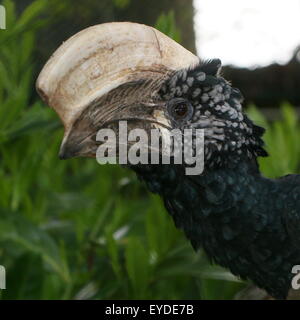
245	222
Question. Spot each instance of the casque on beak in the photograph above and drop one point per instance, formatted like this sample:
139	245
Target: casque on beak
105	73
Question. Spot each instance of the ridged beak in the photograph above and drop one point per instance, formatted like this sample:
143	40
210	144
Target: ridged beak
105	73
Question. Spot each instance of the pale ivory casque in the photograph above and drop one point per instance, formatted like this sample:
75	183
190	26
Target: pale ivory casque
101	58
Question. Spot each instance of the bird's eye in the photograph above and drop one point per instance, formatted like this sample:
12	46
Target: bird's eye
180	109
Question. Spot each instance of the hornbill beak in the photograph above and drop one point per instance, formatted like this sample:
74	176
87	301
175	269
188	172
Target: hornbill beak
104	74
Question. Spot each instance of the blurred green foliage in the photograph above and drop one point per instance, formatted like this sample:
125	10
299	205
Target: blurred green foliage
282	142
77	230
166	24
121	3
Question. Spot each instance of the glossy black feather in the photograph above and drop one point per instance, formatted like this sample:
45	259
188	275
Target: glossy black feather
245	222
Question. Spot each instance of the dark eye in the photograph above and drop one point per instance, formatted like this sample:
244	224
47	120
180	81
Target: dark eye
180	109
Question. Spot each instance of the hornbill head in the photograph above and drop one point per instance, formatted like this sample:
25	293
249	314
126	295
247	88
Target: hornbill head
128	71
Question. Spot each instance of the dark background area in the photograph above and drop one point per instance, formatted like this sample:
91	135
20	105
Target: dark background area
265	87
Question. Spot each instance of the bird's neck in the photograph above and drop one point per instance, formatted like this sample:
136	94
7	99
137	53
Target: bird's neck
219	203
236	215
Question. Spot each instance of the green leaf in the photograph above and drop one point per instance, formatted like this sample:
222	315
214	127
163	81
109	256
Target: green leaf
167	25
112	248
137	267
20	231
31	13
121	3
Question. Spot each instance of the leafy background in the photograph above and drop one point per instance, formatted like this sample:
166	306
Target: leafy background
77	230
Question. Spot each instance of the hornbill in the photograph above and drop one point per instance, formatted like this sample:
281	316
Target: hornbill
127	71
